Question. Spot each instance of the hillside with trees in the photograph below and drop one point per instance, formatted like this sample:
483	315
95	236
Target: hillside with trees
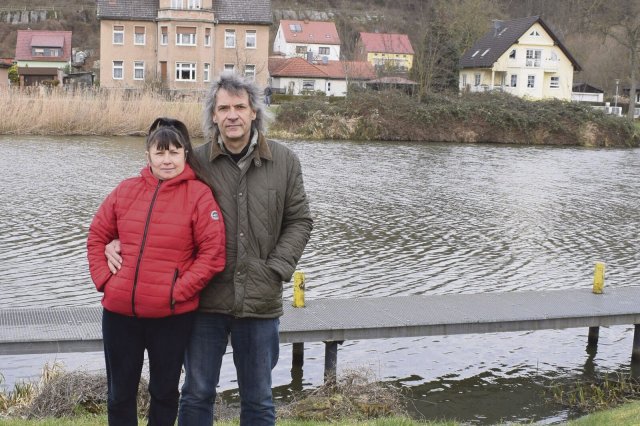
604	36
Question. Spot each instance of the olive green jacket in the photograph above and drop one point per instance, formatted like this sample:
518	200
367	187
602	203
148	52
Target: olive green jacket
267	221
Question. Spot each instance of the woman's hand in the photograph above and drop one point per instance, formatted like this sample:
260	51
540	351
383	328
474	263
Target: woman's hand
112	253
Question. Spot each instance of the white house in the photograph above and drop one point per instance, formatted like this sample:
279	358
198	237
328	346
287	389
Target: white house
297	76
311	40
522	57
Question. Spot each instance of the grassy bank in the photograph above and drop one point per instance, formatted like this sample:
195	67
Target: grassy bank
469	118
62	398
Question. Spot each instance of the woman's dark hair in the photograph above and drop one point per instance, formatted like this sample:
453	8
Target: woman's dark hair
165	132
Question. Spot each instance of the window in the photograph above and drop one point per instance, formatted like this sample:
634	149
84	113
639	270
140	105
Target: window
176	4
207	36
118	70
464	80
533	58
534	33
193	4
475	53
250	71
301	50
308	85
138	70
323	50
250	39
485	52
164	36
229	67
554	83
230	39
478	80
531	81
139	35
46	51
186	36
185	71
207	72
118	34
514	80
295	28
512	54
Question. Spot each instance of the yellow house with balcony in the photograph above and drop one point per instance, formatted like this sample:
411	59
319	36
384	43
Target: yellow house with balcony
522	57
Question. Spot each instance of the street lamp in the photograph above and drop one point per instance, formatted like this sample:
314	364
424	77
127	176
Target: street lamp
615	102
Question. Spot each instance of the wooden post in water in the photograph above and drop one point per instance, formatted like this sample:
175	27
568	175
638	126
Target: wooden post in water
635	352
330	361
598	287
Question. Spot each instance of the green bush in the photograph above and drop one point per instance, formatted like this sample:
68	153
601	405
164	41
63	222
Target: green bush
472	117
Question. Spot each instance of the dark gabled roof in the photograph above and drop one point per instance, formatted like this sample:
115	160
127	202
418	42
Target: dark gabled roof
586	88
501	37
135	10
225	11
243	11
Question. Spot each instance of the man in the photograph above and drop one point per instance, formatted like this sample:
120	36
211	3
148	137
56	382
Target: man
258	185
267	95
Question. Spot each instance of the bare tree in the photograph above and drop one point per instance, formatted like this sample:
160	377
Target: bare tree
620	20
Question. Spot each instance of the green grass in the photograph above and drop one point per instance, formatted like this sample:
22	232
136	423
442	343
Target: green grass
102	420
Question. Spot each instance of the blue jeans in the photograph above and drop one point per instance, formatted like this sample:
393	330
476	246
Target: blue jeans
125	340
256	347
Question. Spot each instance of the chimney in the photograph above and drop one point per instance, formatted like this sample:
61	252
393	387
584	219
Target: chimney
497	26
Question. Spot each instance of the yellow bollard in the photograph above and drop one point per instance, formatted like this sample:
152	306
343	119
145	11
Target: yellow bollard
598	278
298	289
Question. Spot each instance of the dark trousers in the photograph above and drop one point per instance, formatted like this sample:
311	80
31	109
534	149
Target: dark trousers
125	340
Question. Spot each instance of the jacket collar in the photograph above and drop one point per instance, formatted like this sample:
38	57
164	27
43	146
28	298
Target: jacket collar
261	151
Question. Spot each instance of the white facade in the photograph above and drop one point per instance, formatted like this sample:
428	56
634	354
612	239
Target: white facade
301	85
535	67
301	49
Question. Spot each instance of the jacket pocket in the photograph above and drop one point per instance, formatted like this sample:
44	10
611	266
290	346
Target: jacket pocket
172	300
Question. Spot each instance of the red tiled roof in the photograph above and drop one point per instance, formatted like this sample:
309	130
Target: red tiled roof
299	67
386	43
6	62
32	38
315	32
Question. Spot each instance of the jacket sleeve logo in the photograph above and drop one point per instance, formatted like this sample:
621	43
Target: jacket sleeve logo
215	215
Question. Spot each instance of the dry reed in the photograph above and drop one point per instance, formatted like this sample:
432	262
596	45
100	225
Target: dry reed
43	111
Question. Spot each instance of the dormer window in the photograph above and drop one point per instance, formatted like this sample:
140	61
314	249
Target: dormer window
46	51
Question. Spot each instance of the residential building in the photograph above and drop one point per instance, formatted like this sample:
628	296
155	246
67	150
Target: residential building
583	92
5	64
42	55
389	53
311	40
521	56
182	44
297	76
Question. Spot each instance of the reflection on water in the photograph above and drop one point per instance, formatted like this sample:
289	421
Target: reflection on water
390	219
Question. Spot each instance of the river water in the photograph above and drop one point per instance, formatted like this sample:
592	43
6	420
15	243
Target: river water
390	219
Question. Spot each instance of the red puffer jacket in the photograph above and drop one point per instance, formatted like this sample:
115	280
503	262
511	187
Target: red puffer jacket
172	242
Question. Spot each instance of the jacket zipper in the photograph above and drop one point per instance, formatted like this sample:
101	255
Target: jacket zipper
144	240
172	302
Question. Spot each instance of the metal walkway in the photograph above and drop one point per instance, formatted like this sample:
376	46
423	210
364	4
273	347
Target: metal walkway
78	329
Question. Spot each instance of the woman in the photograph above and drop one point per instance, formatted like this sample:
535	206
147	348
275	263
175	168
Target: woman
172	242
